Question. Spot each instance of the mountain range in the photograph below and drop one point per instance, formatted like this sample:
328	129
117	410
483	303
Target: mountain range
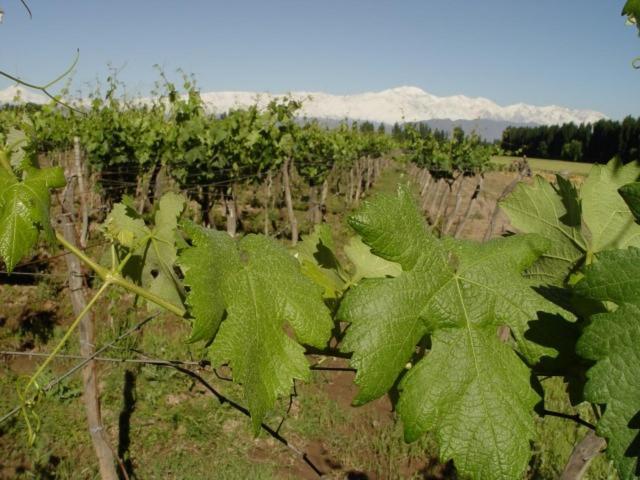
401	104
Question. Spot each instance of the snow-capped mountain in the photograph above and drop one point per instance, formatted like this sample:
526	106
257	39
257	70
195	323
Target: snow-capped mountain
406	104
15	93
402	104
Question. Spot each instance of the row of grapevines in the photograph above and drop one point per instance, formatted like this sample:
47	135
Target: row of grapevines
437	153
131	141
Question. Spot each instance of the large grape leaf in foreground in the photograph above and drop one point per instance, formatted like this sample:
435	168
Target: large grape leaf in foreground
612	340
472	390
24	210
260	288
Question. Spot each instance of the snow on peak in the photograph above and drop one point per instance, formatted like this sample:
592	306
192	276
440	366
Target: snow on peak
405	90
406	104
17	94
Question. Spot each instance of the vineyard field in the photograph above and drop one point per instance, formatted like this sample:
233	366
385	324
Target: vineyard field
208	284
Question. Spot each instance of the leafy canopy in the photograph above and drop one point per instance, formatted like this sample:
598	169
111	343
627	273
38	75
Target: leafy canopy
579	223
24	207
472	390
612	341
244	295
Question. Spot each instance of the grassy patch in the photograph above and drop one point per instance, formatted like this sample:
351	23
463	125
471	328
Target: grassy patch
546	165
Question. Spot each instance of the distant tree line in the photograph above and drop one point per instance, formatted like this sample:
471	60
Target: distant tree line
591	142
405	132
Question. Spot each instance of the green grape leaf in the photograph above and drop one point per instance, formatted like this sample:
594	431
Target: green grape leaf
368	265
631	10
607	216
577	223
15	141
631	195
612	341
475	394
205	268
554	212
319	263
24	210
125	226
158	273
455	294
153	248
258	294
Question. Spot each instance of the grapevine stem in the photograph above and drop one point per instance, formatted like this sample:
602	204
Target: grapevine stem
67	334
99	269
133	288
52	355
115	278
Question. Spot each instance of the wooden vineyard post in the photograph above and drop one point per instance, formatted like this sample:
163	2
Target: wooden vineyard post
351	186
323	199
450	218
230	211
84	207
269	185
585	451
494	215
106	458
472	201
314	204
358	178
444	200
287	197
436	196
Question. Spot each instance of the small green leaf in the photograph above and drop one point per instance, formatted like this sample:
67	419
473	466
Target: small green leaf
607	216
153	248
368	265
319	263
631	10
631	195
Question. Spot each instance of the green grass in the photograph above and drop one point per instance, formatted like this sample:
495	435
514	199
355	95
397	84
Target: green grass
543	164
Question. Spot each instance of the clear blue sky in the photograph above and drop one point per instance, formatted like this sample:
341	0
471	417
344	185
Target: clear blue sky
574	53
